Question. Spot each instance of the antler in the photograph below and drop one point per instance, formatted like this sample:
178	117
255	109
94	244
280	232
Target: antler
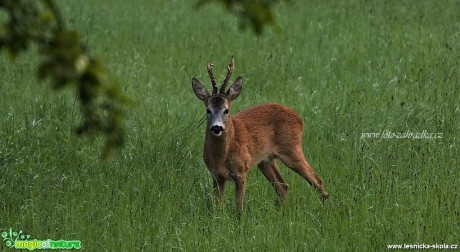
213	79
229	74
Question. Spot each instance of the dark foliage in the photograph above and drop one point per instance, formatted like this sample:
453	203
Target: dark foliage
67	64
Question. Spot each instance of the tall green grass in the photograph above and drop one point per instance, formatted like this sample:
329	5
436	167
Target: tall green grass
347	68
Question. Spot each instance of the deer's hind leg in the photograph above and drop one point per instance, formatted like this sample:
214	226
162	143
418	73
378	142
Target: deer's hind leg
270	170
295	159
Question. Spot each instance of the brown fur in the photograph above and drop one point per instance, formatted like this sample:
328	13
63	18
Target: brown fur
256	137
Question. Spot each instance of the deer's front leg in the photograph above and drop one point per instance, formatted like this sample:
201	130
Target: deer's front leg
240	184
218	188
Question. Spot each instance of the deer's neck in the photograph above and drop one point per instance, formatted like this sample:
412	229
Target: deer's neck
218	147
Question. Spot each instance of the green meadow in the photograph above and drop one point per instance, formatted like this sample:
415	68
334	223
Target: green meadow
377	84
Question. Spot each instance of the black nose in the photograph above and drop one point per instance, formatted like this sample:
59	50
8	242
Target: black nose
217	129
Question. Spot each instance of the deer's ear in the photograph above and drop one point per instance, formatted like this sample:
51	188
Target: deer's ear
235	89
199	90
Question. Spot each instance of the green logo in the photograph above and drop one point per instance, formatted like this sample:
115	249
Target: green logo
19	240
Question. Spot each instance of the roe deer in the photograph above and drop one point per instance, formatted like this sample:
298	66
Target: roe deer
255	136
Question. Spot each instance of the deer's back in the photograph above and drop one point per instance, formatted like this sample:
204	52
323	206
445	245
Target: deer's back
268	115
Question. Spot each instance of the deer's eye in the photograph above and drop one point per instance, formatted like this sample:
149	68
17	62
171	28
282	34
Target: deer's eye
208	111
226	111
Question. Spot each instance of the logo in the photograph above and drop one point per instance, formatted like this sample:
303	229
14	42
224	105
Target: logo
20	240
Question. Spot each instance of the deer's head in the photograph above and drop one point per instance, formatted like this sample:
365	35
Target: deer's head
218	103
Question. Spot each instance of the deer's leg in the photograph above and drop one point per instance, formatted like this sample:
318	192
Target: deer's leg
240	184
270	170
295	160
218	188
281	183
